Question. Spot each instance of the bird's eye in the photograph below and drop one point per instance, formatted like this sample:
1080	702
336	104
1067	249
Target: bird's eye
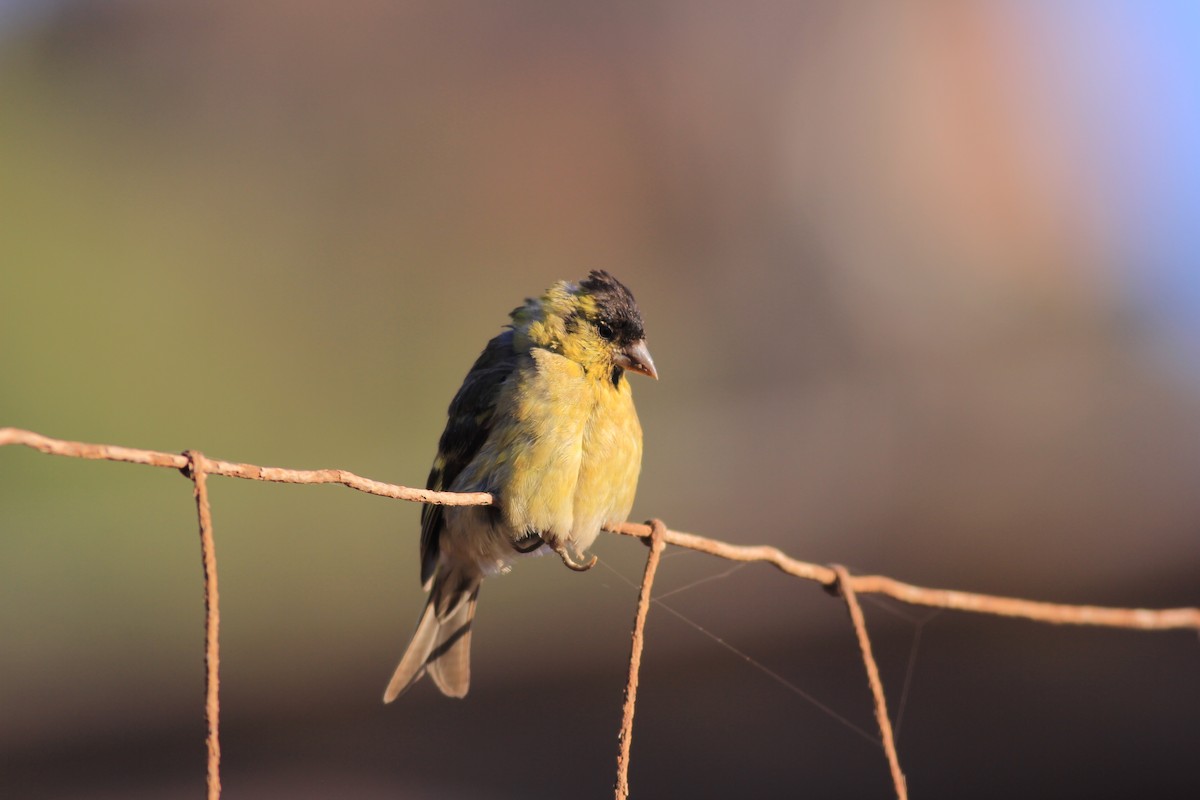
604	330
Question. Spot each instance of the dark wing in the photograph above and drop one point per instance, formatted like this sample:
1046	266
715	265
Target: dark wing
472	413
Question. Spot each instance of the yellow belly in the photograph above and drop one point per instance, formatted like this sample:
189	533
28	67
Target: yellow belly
563	460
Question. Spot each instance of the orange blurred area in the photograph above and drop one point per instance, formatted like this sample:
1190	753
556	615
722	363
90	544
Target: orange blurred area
918	279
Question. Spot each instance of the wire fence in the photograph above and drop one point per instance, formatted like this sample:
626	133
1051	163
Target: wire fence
837	579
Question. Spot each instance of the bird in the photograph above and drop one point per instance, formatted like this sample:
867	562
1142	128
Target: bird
545	422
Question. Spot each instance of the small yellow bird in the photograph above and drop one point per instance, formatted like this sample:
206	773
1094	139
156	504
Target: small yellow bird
545	422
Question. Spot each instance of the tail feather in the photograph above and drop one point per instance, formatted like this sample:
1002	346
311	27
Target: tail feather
441	644
450	661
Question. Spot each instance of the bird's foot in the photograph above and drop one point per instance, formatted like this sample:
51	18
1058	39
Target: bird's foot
534	540
565	555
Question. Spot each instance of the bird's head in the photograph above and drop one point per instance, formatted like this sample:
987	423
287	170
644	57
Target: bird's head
595	323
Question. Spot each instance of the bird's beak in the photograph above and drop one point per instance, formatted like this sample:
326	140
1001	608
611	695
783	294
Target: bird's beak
636	358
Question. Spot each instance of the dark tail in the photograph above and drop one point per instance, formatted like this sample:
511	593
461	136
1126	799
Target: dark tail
442	642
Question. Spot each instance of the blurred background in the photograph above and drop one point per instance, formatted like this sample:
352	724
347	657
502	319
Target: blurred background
920	279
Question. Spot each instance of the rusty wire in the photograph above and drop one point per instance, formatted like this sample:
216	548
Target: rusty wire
196	467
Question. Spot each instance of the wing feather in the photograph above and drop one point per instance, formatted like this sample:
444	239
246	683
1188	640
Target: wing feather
471	418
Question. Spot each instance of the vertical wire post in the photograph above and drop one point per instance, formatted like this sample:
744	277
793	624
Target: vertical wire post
195	470
625	737
881	712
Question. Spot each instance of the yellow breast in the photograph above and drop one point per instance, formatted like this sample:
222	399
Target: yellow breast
568	453
612	461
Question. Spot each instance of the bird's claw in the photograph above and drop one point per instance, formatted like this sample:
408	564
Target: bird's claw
561	549
536	541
